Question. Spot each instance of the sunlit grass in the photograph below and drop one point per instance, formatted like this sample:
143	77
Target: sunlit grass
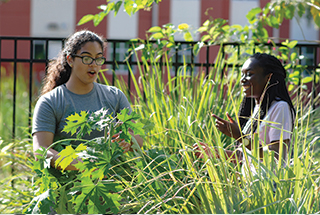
170	179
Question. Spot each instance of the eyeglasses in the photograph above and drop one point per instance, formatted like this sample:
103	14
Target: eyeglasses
87	60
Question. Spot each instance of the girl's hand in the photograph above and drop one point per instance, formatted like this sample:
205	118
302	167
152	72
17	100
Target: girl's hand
229	128
122	143
205	148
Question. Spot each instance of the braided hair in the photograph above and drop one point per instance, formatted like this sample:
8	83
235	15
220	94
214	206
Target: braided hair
59	71
275	91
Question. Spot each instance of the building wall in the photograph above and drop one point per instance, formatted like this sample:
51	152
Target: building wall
48	18
186	11
59	18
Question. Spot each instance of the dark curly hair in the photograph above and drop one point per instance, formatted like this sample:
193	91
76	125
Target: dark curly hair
275	91
58	70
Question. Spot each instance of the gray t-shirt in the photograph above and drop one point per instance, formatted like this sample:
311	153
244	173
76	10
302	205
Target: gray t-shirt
54	107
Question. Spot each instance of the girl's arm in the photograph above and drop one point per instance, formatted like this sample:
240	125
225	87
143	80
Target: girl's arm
45	139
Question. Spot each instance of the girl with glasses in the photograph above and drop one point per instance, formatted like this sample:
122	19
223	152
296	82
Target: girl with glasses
70	87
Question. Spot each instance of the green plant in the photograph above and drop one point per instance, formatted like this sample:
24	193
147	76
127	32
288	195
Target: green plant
93	188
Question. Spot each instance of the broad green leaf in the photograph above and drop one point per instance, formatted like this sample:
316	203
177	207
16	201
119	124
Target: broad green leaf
293	56
117	7
253	13
128	7
155	29
188	37
124	115
107	190
66	157
292	44
307	79
109	7
301	9
205	38
273	21
238	27
157	36
75	121
169	45
98	18
289	11
314	9
86	19
202	29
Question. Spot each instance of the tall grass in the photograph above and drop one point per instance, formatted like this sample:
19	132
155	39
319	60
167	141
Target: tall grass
168	178
175	181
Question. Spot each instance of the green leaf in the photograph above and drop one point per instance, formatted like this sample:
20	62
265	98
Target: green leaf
315	12
237	27
188	37
157	36
86	19
128	7
301	9
289	11
252	14
155	29
68	155
293	56
98	18
75	121
42	204
108	8
292	44
205	38
197	47
273	21
169	45
102	197
202	29
306	79
291	86
117	7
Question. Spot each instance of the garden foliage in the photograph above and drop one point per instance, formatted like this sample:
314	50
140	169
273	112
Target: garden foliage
93	189
173	113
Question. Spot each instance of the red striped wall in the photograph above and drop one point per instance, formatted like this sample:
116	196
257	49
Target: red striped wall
15	21
15	18
216	9
84	7
268	28
144	22
164	12
284	30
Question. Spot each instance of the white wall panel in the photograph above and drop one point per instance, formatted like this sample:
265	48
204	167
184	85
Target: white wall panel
52	18
122	26
186	11
239	10
303	29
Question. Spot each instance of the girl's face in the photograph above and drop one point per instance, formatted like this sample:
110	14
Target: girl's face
253	79
82	74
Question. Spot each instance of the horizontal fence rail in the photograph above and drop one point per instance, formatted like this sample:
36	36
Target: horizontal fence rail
32	51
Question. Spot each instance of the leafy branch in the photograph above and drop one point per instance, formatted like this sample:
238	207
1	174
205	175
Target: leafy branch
92	189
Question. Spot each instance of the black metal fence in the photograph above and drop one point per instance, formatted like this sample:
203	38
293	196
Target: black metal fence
32	51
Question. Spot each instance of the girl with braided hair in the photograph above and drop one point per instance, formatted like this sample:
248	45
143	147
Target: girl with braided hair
266	105
70	87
